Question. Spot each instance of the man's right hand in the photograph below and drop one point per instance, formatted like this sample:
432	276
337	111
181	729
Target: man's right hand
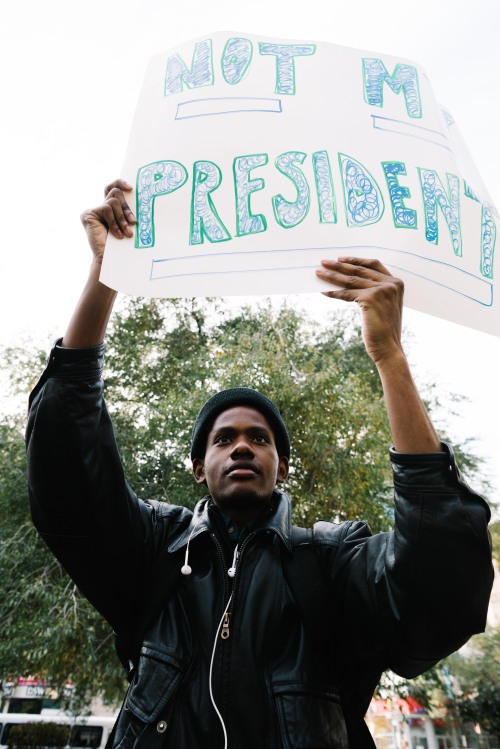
89	321
113	215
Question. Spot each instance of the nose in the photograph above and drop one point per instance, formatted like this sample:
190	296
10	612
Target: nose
242	446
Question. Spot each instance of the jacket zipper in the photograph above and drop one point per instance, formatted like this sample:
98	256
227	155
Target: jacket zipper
224	573
225	630
228	604
224	633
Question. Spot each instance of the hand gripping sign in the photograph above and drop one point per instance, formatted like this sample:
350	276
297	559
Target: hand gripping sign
254	158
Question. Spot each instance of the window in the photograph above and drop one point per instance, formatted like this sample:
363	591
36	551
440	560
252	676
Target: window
25	705
444	742
86	736
6	731
419	742
385	741
40	733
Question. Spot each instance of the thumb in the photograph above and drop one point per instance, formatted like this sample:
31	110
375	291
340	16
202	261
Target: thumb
96	229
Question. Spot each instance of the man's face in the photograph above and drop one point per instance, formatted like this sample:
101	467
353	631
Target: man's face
241	466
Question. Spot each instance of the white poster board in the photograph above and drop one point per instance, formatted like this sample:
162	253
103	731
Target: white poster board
254	158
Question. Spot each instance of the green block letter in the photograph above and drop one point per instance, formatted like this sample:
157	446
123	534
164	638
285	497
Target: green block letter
153	180
404	78
246	221
290	214
199	74
285	66
205	221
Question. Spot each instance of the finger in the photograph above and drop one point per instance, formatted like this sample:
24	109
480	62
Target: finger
86	216
111	214
374	294
117	194
121	184
363	266
346	276
369	263
345	295
104	214
117	215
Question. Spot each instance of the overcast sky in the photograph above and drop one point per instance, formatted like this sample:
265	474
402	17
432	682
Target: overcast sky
70	77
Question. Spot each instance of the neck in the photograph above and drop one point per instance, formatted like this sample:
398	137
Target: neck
245	513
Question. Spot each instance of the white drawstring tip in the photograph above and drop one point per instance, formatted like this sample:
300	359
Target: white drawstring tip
186	569
232	570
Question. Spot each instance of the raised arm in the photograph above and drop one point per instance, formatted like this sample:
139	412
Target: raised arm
380	298
80	501
88	324
414	595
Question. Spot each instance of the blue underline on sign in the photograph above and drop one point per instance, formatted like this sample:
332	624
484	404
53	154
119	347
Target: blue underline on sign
437	272
226	105
412	130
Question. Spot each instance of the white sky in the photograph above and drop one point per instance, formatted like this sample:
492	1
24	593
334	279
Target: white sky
70	77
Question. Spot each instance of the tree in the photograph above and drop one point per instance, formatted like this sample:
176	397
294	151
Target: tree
477	675
164	359
321	380
466	683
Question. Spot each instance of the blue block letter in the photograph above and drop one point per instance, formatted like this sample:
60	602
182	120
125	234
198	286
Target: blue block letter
404	77
153	180
404	218
324	188
246	221
200	73
488	234
236	58
285	66
435	194
205	221
290	214
363	200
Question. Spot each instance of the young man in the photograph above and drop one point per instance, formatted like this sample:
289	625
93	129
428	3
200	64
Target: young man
251	633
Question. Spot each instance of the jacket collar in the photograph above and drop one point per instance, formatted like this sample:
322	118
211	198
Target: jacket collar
278	521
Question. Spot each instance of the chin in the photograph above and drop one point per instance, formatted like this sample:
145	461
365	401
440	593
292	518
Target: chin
243	503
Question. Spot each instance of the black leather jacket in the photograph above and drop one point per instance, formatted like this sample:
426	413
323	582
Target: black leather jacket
401	600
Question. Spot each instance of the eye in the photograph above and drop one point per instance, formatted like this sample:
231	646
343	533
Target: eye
222	439
261	439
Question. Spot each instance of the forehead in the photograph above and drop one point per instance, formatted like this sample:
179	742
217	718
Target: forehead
241	417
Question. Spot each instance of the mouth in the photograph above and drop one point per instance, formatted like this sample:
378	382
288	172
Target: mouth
242	470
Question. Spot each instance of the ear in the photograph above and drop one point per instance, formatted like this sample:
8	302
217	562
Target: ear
199	471
282	470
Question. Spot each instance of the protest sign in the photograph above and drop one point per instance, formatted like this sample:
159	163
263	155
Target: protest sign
253	158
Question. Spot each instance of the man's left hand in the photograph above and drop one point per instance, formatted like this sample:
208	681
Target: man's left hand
379	295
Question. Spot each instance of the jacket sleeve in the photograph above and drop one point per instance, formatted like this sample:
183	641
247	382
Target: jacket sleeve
418	593
102	534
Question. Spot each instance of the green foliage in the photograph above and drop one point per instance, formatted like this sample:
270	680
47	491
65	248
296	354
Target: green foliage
164	359
495	539
321	379
466	683
478	677
38	736
48	628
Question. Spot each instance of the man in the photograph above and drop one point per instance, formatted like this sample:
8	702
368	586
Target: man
238	630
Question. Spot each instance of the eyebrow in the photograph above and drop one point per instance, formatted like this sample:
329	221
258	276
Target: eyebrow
262	428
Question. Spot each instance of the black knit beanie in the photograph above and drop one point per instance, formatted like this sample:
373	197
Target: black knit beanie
238	397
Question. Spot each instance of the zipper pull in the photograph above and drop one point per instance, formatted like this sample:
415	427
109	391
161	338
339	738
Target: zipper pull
225	626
